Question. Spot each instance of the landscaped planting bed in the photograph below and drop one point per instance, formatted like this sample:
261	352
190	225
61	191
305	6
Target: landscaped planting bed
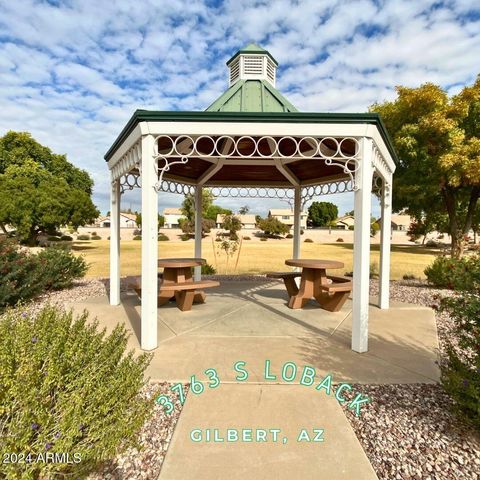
409	431
154	439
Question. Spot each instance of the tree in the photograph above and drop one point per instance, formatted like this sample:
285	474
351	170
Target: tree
233	225
437	139
321	214
273	226
214	210
39	190
243	210
188	205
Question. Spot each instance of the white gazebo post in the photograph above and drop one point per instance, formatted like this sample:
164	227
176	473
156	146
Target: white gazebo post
297	212
115	243
385	232
149	175
198	230
361	242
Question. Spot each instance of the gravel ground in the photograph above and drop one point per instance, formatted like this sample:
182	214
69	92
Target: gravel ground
409	431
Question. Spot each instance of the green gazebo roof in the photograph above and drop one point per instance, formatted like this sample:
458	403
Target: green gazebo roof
251	96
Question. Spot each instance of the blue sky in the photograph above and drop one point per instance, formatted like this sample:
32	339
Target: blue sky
73	72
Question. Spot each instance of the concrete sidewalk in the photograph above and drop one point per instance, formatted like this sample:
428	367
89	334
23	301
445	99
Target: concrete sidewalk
289	408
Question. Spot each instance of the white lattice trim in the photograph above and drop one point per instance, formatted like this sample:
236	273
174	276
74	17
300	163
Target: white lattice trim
380	164
127	162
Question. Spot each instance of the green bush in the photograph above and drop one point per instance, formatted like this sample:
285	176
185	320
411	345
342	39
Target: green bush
83	237
66	238
51	238
351	227
289	235
246	237
96	237
453	273
20	275
207	269
340	239
460	367
162	237
137	237
263	239
59	267
308	240
184	237
66	387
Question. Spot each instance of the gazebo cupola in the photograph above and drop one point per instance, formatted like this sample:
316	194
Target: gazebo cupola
251	75
252	63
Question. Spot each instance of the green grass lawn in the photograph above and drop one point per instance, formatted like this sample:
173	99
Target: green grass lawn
255	257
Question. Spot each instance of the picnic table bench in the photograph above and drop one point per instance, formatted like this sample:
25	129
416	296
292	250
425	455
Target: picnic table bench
330	291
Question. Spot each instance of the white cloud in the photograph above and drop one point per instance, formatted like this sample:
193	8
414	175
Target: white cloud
73	74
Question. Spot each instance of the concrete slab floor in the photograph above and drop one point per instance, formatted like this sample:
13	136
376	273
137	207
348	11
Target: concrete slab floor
250	321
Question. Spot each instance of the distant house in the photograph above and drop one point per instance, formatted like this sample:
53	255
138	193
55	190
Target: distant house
172	217
345	222
401	222
248	221
127	220
286	216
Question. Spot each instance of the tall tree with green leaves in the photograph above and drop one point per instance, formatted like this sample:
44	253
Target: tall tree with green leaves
321	214
40	190
437	139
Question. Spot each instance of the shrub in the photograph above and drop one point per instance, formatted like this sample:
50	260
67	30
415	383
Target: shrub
302	231
137	237
96	237
207	269
289	235
457	274
351	227
51	238
66	238
83	237
374	229
263	239
308	240
59	268
66	387
162	237
185	237
246	238
409	276
20	275
340	239
137	232
460	371
431	244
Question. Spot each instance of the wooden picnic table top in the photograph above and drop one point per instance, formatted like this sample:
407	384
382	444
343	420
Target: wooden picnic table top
180	262
314	263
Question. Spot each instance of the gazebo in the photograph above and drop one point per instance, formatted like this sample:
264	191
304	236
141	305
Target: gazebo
252	142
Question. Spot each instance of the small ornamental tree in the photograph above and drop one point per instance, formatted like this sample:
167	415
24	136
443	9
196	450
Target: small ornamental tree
272	226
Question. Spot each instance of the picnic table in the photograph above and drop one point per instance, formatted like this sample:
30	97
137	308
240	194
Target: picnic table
178	282
330	292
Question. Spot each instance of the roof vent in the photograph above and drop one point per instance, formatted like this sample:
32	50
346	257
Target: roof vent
252	63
